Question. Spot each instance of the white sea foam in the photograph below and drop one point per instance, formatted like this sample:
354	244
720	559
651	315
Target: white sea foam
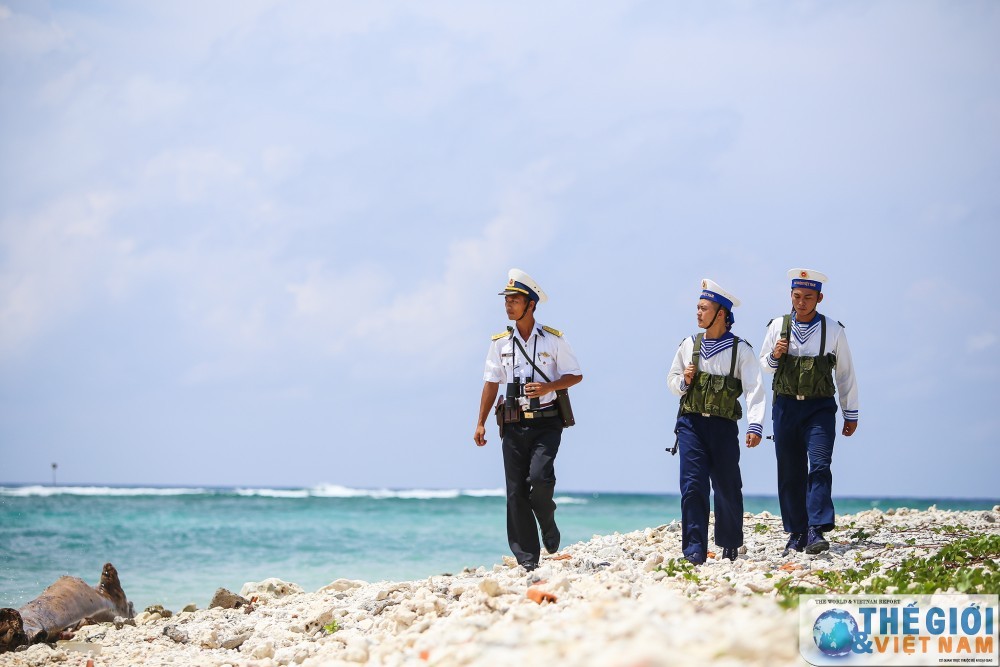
39	490
484	493
337	491
273	493
569	500
321	491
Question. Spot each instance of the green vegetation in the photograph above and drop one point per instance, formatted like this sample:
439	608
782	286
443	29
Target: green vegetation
760	528
967	565
679	567
331	627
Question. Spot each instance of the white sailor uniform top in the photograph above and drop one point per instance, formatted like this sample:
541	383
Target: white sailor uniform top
716	358
804	341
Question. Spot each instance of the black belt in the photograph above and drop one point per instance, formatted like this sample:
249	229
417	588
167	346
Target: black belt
799	397
539	414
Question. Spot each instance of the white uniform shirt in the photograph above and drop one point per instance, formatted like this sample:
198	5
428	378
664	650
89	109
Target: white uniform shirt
803	341
552	354
716	358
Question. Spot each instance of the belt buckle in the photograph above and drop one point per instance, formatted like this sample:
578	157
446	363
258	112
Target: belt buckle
705	414
800	398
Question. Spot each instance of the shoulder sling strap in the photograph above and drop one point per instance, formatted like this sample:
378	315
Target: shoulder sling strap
531	361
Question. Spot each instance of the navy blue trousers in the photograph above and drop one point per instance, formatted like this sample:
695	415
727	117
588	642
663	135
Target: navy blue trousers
804	432
529	456
710	460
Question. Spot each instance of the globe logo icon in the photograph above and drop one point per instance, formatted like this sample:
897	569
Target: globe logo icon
834	632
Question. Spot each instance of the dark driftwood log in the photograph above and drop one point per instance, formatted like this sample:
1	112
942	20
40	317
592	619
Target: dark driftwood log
64	604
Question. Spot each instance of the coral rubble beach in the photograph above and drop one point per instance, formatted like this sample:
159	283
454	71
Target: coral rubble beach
615	600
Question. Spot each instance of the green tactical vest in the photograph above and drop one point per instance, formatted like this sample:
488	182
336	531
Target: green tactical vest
716	395
808	377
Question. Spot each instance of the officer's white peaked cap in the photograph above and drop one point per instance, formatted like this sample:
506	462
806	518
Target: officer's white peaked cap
807	278
713	291
519	282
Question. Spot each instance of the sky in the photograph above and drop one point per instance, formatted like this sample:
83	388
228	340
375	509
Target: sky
259	244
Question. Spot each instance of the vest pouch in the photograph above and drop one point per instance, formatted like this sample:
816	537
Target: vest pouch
716	395
806	376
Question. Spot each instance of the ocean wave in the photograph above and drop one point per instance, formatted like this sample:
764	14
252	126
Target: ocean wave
336	491
484	493
39	490
569	500
320	491
273	493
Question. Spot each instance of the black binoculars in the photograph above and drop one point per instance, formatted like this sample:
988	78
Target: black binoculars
515	389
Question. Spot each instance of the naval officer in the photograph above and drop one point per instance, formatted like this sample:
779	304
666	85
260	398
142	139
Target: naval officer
522	358
710	371
809	357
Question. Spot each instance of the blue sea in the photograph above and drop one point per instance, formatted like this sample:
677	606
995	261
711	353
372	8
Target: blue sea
176	546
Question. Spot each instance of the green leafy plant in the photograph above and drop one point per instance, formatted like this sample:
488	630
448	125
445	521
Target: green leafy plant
331	627
760	528
968	565
681	567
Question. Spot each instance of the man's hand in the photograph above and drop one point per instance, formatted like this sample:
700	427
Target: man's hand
753	440
536	389
780	348
850	428
689	374
480	435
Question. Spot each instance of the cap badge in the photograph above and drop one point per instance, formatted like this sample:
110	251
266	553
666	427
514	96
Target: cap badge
803	274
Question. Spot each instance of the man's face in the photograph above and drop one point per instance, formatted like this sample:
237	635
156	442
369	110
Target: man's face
515	304
706	312
804	301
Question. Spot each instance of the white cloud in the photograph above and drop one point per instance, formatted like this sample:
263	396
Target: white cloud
54	261
23	35
145	99
192	174
980	342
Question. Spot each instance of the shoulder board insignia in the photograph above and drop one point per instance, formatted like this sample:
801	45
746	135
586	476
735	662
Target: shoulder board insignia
769	321
554	332
841	324
502	334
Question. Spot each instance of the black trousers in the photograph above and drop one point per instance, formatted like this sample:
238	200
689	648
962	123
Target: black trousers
529	456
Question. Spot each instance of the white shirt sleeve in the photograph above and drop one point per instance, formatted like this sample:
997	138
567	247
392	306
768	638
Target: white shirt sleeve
675	379
566	361
494	369
768	364
753	388
847	383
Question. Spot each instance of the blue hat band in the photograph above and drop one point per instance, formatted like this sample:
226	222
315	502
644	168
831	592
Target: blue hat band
521	287
807	284
717	298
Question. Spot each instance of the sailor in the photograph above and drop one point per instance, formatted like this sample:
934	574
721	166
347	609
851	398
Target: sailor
710	371
809	357
533	361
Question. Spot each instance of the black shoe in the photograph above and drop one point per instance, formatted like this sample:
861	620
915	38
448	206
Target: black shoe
694	559
550	539
529	566
730	553
796	542
815	543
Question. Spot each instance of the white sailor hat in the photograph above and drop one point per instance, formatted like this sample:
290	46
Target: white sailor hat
519	282
807	278
712	291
